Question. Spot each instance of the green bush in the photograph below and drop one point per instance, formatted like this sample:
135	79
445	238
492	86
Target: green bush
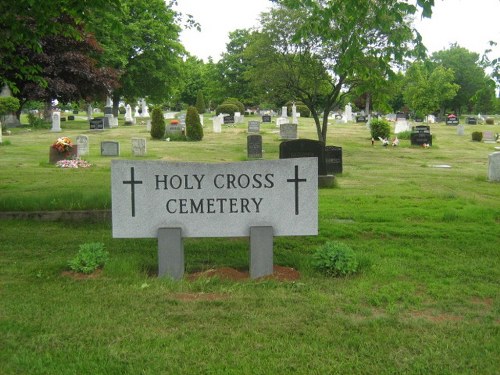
37	122
303	110
226	108
380	128
8	104
194	130
404	135
335	259
122	110
490	121
477	136
157	124
90	257
237	103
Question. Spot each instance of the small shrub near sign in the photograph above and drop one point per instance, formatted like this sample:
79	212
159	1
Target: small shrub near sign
90	257
380	128
335	259
477	136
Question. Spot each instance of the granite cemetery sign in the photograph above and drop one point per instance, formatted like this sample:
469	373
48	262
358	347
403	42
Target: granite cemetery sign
171	201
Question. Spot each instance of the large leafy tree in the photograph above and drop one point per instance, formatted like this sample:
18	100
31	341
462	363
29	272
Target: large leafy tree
469	74
318	49
427	87
23	25
142	41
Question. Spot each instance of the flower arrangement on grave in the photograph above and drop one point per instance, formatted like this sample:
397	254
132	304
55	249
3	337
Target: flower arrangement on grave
174	122
63	145
73	163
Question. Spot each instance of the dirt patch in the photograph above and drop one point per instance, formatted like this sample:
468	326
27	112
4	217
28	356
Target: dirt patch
82	276
435	317
280	273
487	302
194	297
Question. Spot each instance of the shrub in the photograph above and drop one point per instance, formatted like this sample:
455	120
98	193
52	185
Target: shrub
37	122
157	124
200	103
303	110
237	103
8	104
226	108
90	257
194	130
404	135
122	110
477	136
380	128
490	121
335	259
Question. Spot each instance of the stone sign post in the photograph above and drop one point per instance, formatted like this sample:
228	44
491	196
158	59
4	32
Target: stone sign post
171	201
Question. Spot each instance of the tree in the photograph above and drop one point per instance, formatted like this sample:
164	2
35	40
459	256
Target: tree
468	74
316	50
194	130
24	23
427	87
200	102
157	123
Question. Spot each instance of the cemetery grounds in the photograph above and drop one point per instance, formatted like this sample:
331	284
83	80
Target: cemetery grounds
426	299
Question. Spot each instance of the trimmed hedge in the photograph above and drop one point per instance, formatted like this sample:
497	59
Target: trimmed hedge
194	130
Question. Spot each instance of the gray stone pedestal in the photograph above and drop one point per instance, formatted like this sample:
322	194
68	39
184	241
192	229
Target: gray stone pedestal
261	251
170	253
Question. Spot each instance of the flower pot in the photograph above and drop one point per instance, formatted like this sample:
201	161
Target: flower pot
55	156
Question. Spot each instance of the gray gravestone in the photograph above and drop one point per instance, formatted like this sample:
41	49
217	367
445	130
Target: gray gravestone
488	137
494	166
333	159
110	148
82	141
305	148
173	129
254	146
97	123
254	126
460	129
288	131
138	146
421	135
173	200
56	122
266	118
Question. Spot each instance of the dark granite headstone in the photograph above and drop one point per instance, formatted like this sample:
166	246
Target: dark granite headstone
97	123
266	118
471	121
361	119
452	120
303	148
254	146
333	159
229	119
108	110
421	135
71	118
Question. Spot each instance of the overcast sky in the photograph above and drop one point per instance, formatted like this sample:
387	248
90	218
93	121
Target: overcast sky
470	23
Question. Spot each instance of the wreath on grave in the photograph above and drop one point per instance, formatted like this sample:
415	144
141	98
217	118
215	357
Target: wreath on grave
63	145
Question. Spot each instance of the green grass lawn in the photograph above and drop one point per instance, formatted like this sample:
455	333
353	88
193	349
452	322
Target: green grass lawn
426	299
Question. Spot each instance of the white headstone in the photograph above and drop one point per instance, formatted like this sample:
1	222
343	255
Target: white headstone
56	121
144	108
201	120
217	122
90	111
284	112
294	114
128	113
138	146
214	199
460	129
82	143
494	166
137	114
347	113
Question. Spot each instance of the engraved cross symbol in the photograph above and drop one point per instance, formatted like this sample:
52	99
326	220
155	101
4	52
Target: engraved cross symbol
296	180
132	184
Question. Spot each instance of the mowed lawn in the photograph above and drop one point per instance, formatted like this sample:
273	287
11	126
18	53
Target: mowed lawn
424	223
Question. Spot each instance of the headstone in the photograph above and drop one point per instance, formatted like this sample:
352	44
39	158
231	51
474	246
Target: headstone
305	148
56	121
138	146
144	108
266	118
90	112
284	112
254	146
280	121
110	148
228	119
288	131
333	159
97	123
201	120
488	137
452	120
421	135
361	118
494	166
254	126
10	119
82	142
173	128
347	113
129	120
471	121
136	113
217	124
295	119
460	129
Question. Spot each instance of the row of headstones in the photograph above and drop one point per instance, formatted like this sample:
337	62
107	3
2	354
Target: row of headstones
110	148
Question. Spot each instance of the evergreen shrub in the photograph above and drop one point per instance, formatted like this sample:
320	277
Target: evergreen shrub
157	124
194	130
226	108
477	136
490	121
237	103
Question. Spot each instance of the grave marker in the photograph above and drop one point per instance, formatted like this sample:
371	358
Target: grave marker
253	126
97	123
494	166
110	148
288	131
56	122
333	159
421	135
266	118
305	148
254	146
82	142
138	146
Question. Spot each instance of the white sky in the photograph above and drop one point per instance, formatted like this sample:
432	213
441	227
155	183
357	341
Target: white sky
470	23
